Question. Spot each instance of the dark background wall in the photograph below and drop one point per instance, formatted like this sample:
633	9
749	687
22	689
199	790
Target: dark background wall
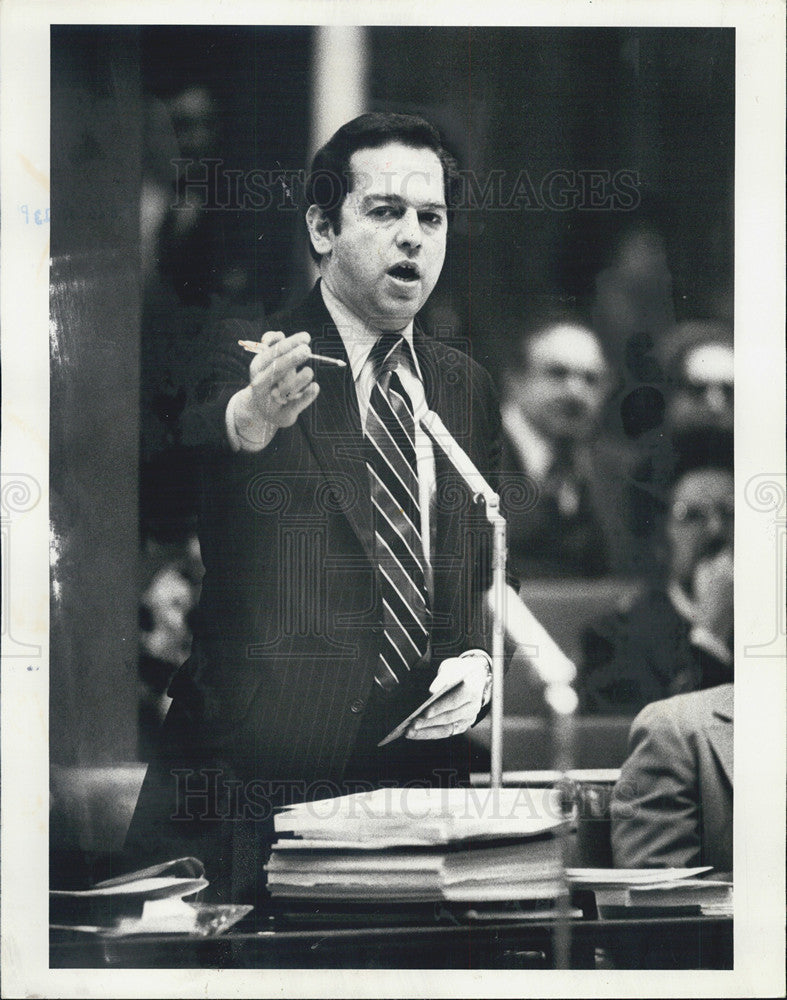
260	78
658	103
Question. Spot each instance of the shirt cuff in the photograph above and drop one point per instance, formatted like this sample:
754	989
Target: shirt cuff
236	440
487	695
229	420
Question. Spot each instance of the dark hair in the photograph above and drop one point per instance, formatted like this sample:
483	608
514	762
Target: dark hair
330	178
542	320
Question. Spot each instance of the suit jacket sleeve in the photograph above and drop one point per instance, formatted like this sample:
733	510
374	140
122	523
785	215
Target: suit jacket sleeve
655	809
225	371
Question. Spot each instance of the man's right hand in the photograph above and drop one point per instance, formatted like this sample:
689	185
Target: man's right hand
277	392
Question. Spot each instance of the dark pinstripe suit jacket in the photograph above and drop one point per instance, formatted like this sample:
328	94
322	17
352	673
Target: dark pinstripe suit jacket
289	626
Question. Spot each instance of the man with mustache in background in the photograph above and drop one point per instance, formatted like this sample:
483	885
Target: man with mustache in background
553	398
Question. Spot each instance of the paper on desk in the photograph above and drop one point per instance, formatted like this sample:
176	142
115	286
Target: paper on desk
410	816
168	916
685	885
149	888
184	868
602	877
127	895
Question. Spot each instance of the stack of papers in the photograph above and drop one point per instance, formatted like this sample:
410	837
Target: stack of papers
420	845
606	878
712	898
629	892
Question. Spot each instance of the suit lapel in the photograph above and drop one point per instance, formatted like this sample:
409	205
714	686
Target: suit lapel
332	424
434	388
450	556
446	386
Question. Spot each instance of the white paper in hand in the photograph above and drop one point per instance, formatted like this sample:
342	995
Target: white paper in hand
402	727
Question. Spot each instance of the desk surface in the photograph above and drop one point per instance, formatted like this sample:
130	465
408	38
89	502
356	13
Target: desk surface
674	943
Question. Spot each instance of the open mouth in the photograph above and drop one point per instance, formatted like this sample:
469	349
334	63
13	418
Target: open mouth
404	271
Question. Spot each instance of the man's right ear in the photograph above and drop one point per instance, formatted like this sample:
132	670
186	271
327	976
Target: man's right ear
320	230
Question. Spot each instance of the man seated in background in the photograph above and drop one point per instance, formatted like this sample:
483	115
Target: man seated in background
553	396
675	635
672	806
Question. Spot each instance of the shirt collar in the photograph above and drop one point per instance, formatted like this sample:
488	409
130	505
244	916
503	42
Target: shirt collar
358	337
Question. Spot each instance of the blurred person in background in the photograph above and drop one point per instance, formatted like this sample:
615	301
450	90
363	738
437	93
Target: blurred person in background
199	257
675	635
189	282
690	397
633	301
672	806
699	368
170	587
553	396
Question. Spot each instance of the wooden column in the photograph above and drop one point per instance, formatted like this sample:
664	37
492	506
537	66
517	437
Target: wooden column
94	410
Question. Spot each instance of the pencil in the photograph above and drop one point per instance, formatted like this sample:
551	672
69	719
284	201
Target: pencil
255	347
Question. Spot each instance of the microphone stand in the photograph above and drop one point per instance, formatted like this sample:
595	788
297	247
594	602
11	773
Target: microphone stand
559	695
441	436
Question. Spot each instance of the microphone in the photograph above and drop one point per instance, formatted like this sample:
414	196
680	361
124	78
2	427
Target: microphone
533	645
458	457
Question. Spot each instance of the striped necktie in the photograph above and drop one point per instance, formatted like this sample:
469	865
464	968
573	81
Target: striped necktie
393	477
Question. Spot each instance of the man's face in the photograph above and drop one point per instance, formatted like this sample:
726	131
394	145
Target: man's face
562	389
701	521
704	398
389	251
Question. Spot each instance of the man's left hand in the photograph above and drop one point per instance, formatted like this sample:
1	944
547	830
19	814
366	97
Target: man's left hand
457	711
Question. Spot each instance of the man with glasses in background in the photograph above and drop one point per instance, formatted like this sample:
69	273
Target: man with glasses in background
675	636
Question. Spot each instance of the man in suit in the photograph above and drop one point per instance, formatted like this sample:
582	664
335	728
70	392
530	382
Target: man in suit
300	663
672	806
674	636
553	396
